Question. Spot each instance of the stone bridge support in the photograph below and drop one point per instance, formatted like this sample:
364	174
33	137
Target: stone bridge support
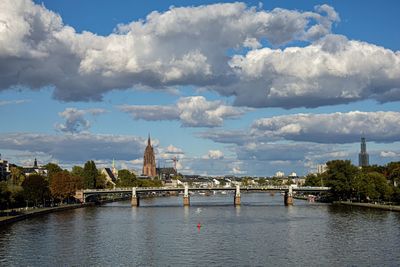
186	198
135	198
79	196
288	198
236	201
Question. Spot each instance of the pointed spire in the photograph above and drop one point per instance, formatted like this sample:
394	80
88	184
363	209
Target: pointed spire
148	141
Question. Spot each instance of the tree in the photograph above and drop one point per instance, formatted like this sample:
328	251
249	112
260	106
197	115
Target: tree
5	196
394	176
77	171
17	175
52	169
314	179
89	174
262	181
126	179
101	181
373	186
64	185
341	178
36	188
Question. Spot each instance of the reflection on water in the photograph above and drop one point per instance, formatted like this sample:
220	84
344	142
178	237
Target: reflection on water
260	232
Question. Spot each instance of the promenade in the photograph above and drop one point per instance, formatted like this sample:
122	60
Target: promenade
32	212
369	205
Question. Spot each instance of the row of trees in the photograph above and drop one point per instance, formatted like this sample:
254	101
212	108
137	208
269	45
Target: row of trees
60	185
372	183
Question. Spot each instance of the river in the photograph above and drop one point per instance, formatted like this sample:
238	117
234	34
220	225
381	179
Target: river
261	232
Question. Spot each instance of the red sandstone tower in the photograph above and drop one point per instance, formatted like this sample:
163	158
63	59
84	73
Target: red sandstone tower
149	161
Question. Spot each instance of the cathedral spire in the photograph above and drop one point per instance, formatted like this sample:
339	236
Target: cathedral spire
148	141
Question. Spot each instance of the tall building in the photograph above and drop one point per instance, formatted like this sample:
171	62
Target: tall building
149	161
363	157
321	168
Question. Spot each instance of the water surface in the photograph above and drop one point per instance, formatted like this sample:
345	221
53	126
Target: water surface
261	232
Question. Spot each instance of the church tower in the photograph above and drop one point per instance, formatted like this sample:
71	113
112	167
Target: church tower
149	161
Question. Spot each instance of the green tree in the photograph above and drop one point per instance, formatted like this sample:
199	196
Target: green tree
394	176
149	183
77	171
90	174
315	179
36	189
341	176
101	181
373	186
52	169
5	196
17	175
126	179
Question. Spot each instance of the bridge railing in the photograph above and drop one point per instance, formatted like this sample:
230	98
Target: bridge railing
271	187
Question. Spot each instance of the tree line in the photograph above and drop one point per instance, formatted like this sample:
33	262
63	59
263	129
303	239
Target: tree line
367	184
60	185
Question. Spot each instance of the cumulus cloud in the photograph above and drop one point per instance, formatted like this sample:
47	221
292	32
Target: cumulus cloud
214	154
333	70
75	121
389	154
194	111
381	126
38	50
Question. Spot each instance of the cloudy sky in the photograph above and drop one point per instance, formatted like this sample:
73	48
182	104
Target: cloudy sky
242	88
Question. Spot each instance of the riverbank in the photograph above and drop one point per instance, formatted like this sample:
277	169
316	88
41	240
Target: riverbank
25	214
368	205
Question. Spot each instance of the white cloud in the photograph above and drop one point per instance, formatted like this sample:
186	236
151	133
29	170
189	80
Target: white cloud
330	71
75	121
214	154
380	126
389	154
194	111
38	50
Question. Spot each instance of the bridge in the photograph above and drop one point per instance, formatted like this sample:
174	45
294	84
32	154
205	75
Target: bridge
135	192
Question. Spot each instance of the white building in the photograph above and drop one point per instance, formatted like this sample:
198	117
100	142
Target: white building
108	173
321	168
280	174
4	169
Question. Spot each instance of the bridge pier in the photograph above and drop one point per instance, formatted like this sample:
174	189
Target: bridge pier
236	200
186	198
135	198
288	198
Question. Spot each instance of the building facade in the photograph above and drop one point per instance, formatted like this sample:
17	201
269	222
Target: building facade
4	169
363	157
321	168
149	161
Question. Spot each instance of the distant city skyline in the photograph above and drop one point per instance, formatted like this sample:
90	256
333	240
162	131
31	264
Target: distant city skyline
244	88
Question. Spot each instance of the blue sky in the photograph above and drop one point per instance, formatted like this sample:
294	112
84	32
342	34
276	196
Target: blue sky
245	88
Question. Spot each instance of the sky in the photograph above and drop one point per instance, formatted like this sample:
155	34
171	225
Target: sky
229	88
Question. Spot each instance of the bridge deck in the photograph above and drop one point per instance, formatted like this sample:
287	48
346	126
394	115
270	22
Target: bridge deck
167	189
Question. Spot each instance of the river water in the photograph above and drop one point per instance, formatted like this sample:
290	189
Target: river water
261	232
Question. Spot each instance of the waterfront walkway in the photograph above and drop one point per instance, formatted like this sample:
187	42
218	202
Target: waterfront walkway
369	205
23	213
